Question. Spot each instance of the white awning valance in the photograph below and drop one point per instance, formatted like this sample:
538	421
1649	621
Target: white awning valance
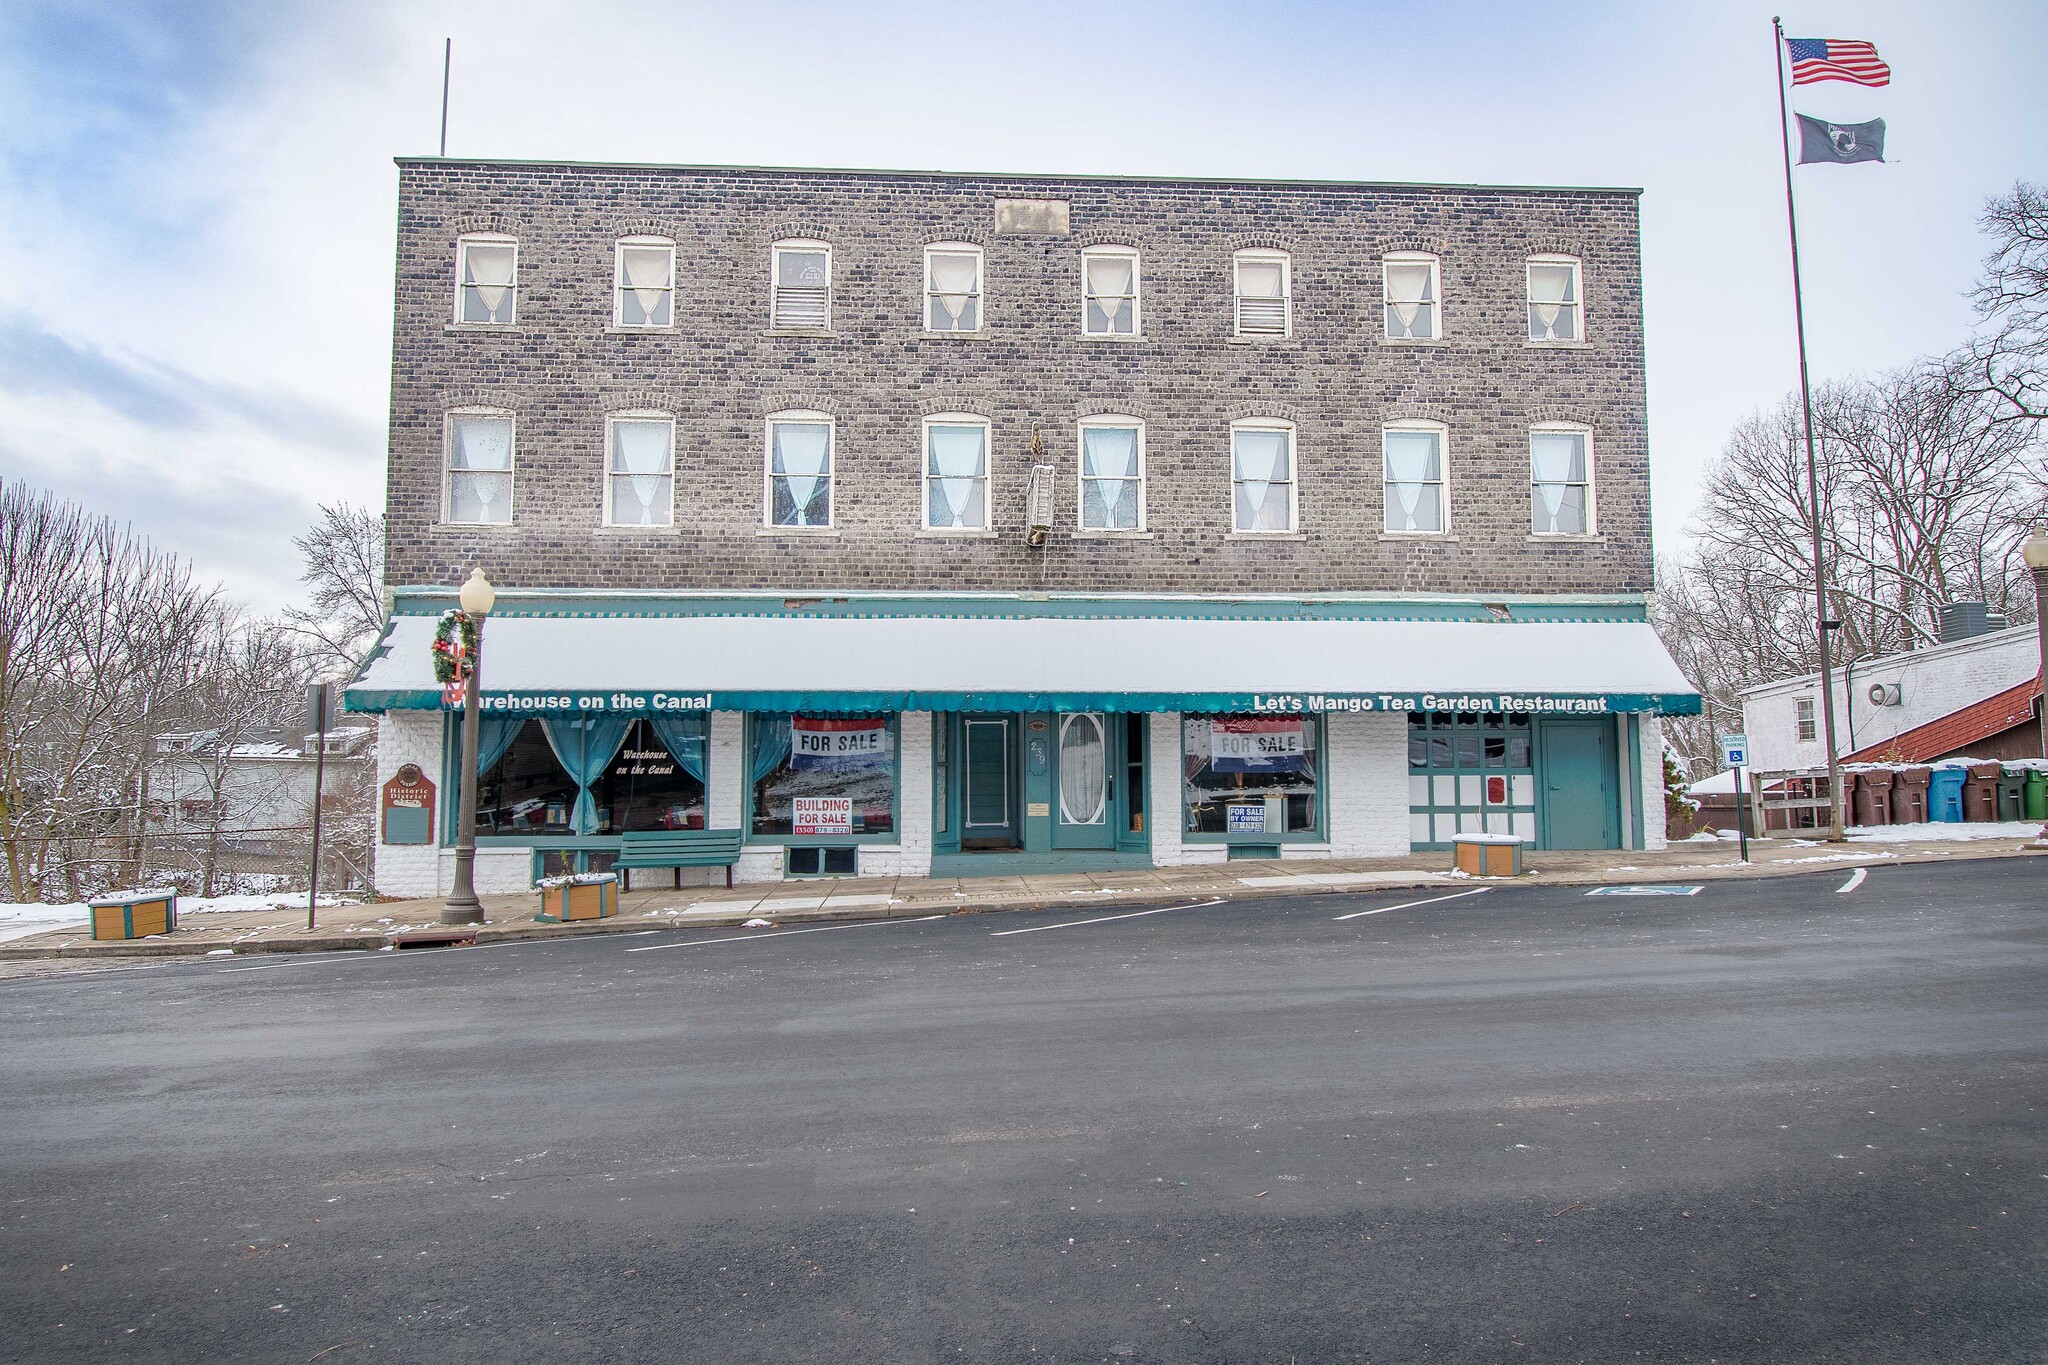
546	664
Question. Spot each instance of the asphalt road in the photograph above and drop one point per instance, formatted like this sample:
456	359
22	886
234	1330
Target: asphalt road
1768	1122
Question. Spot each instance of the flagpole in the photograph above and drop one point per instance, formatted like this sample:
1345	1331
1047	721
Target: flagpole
1820	592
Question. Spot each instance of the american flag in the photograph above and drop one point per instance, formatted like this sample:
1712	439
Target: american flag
1836	59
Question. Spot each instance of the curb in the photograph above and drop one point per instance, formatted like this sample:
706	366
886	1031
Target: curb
518	932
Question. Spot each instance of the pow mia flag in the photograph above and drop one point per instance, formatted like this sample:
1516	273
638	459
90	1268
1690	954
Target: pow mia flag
1845	144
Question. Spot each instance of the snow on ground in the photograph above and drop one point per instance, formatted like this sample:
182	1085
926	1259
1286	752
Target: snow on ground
1945	832
19	920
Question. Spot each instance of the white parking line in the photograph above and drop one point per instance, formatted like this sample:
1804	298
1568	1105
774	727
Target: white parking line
1078	923
1410	905
1855	880
756	938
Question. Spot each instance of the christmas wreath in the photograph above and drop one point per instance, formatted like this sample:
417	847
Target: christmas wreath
454	647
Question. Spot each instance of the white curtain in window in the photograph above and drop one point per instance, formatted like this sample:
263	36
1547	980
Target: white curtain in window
1550	298
1261	280
802	464
956	279
1109	477
648	271
480	469
480	443
1409	299
1084	770
1262	475
642	488
488	269
1414	481
1109	292
1558	468
958	468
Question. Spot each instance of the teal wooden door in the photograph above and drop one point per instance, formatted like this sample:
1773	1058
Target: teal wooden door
1081	801
1580	808
988	807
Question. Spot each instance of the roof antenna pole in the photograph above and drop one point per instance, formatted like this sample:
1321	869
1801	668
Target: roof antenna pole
447	60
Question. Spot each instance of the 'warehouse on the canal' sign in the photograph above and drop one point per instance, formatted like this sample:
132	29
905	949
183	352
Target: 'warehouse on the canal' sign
961	524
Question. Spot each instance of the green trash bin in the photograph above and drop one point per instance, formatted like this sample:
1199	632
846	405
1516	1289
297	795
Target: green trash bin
2012	794
2035	803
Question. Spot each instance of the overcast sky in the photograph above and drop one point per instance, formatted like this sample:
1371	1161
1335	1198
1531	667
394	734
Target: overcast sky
197	197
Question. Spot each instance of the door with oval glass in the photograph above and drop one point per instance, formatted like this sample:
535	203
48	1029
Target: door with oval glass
1083	783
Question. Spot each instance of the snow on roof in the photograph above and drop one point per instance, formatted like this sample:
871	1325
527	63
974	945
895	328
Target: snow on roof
1720	784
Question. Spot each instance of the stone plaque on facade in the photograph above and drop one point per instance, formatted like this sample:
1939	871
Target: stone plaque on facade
1031	217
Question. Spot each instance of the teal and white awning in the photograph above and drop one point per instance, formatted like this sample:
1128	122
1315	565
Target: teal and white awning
546	664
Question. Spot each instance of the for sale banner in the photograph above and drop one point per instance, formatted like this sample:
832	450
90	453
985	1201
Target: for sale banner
1258	744
822	815
827	742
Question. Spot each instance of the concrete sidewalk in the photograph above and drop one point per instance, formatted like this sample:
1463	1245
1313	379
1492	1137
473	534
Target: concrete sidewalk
399	924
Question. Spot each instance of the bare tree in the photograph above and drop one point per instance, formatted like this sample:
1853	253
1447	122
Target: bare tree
1925	492
2008	361
344	568
252	680
94	662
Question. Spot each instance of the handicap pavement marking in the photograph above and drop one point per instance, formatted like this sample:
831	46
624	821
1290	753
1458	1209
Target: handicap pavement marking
1659	889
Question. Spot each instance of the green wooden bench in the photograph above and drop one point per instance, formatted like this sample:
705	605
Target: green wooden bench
678	849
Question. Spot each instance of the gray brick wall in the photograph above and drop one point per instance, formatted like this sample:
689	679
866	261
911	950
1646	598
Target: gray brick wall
720	372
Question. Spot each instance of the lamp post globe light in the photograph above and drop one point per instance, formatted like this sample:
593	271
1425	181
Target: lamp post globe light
2035	552
477	597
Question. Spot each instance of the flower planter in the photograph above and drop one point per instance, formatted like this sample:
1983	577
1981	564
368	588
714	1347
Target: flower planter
1488	855
134	914
588	896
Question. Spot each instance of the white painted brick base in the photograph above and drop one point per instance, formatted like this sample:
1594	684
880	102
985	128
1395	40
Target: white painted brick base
1652	741
409	737
1365	784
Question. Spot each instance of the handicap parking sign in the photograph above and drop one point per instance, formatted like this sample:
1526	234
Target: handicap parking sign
1734	751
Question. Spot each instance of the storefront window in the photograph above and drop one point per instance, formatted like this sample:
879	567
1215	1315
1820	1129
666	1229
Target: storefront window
1249	775
1469	773
524	788
656	780
824	776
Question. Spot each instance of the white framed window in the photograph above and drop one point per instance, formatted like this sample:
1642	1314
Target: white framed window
478	460
1556	310
800	469
1417	482
1109	292
1412	283
1561	480
640	469
956	472
1262	482
644	282
800	286
1112	482
486	279
1262	289
1804	729
952	287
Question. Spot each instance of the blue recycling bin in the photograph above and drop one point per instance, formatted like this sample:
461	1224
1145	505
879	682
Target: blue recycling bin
1945	794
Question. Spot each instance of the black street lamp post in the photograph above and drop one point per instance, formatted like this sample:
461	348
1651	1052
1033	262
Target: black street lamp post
478	597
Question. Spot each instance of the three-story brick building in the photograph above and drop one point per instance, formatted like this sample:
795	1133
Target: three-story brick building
919	522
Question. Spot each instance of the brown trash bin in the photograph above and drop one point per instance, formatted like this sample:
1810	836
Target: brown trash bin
1873	799
1980	792
1909	795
